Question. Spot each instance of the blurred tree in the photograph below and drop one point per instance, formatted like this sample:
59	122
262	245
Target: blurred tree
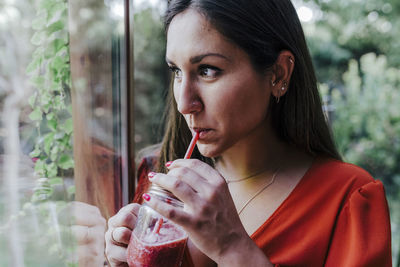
366	124
367	118
355	47
151	76
349	29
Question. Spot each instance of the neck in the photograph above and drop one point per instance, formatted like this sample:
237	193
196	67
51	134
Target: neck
260	151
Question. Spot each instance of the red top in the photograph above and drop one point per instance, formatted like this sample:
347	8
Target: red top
336	216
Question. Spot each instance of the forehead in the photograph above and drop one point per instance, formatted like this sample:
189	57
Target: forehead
191	33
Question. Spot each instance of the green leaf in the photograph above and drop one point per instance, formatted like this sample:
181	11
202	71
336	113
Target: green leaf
56	26
39	167
36	114
38	52
38	38
65	162
32	100
45	98
47	142
45	4
59	135
58	102
66	140
68	126
57	14
52	124
46	108
51	170
40	21
50	116
58	45
63	147
38	81
35	153
57	63
63	50
71	190
56	181
34	65
54	152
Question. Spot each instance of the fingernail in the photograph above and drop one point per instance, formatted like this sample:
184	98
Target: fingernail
168	164
151	175
146	197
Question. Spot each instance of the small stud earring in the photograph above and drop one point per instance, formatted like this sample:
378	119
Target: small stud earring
284	86
291	60
273	83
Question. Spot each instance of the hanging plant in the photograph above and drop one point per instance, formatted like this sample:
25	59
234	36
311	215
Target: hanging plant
49	73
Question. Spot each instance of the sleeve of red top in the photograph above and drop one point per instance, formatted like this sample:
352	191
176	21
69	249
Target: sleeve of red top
142	181
362	233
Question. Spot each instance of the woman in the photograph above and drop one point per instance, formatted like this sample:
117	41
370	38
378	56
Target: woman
267	186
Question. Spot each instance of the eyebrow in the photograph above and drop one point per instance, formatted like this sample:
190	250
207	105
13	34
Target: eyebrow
199	58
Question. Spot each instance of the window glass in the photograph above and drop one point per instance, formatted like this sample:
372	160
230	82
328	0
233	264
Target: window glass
64	90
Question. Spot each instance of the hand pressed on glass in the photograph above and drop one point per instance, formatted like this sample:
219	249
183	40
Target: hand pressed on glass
88	227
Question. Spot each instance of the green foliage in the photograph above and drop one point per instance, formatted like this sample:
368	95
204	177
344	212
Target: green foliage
151	76
367	118
49	72
355	51
348	30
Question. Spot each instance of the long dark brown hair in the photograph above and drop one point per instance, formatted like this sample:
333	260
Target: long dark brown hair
262	28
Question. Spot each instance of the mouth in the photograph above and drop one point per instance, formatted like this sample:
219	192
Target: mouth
203	132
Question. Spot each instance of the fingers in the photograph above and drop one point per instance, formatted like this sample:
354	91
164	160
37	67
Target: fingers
90	256
81	213
88	229
177	186
190	181
125	217
86	235
203	169
177	215
117	237
116	255
194	179
121	235
120	226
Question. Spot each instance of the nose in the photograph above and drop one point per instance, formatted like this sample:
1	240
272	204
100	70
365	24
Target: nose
187	98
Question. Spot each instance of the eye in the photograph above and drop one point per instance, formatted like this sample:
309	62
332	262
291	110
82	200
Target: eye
177	72
209	72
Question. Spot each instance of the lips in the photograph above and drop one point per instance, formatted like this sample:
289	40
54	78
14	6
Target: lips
203	132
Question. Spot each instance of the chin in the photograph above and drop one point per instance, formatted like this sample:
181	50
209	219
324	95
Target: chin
208	150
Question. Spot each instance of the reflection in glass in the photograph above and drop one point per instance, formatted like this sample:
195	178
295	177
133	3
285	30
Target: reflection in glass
63	128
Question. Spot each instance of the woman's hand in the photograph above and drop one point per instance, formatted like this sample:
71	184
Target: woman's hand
88	227
209	215
119	231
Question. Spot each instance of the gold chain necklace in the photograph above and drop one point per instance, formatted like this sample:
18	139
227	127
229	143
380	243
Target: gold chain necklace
259	191
228	181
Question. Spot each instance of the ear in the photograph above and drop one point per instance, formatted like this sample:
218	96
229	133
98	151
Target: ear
281	73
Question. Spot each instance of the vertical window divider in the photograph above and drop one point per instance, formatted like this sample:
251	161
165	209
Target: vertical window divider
130	185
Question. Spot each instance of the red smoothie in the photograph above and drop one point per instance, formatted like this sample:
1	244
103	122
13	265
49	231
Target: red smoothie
162	249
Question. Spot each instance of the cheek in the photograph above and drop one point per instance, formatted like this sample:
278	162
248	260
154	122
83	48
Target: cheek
247	107
175	93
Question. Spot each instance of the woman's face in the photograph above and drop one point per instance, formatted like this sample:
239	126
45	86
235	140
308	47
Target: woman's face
216	88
